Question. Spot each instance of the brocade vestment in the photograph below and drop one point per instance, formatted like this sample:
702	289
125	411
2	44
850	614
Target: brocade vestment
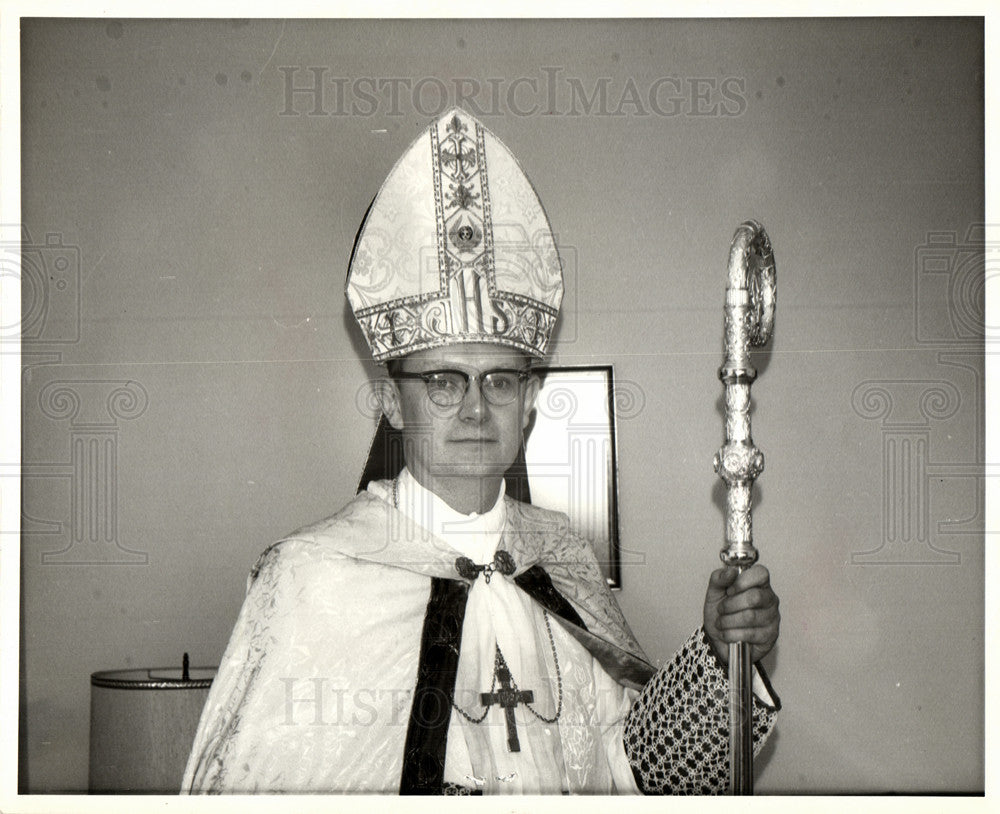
359	656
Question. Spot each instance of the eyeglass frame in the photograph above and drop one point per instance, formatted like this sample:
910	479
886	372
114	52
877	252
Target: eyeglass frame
522	374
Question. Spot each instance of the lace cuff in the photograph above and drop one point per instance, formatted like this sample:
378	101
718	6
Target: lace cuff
457	790
677	731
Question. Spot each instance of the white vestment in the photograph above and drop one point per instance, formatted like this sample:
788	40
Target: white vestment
316	689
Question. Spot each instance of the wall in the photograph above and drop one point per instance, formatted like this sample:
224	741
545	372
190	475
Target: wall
206	217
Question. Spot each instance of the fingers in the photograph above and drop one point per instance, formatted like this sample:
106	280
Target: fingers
748	600
750	635
756	576
741	607
749	619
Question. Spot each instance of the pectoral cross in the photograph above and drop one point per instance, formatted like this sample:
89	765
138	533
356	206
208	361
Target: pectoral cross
507	697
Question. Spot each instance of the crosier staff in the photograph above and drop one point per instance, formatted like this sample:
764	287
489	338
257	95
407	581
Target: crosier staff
749	319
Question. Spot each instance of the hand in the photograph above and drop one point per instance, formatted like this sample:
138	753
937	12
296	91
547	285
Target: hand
741	608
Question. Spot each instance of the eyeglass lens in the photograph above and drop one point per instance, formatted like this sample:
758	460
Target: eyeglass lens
447	388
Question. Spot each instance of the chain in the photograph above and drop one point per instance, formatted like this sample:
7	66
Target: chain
499	659
496	666
493	687
555	659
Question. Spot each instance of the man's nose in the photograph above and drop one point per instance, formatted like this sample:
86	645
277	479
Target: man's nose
473	407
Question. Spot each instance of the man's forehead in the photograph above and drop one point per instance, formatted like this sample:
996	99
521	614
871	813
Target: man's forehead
475	355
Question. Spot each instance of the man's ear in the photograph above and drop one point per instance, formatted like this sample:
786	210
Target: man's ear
387	393
531	388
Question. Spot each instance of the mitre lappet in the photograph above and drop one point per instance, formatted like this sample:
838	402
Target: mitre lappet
455	248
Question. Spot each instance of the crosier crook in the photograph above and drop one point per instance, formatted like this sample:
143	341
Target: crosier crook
749	319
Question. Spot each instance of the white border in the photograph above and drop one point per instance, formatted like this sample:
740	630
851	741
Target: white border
10	297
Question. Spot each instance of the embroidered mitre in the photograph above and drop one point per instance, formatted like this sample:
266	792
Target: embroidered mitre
455	248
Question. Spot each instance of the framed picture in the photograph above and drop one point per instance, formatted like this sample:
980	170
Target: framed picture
572	460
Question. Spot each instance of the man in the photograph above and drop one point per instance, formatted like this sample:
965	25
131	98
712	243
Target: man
436	636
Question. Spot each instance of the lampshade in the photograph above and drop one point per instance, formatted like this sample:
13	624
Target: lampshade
142	725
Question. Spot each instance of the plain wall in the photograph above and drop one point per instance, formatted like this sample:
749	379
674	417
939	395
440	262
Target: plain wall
220	392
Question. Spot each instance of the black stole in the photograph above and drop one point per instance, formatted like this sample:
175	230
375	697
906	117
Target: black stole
440	645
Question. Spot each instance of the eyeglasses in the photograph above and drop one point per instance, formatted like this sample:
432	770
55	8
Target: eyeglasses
447	388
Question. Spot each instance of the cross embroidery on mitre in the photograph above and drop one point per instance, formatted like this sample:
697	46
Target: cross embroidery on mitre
464	228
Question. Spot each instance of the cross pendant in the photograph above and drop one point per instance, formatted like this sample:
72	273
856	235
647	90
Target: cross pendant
508	698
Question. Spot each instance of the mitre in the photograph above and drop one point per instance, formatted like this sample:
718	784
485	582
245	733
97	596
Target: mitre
455	248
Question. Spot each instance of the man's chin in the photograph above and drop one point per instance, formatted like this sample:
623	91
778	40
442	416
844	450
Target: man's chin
470	470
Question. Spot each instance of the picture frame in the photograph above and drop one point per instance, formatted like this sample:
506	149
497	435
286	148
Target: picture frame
571	456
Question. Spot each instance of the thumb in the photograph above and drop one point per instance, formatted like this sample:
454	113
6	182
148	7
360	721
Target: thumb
721	579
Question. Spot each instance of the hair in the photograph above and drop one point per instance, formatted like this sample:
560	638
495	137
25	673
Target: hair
395	365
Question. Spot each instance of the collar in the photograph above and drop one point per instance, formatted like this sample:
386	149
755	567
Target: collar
474	535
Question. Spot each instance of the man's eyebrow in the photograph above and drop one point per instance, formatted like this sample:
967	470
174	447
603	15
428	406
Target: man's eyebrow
497	369
436	370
